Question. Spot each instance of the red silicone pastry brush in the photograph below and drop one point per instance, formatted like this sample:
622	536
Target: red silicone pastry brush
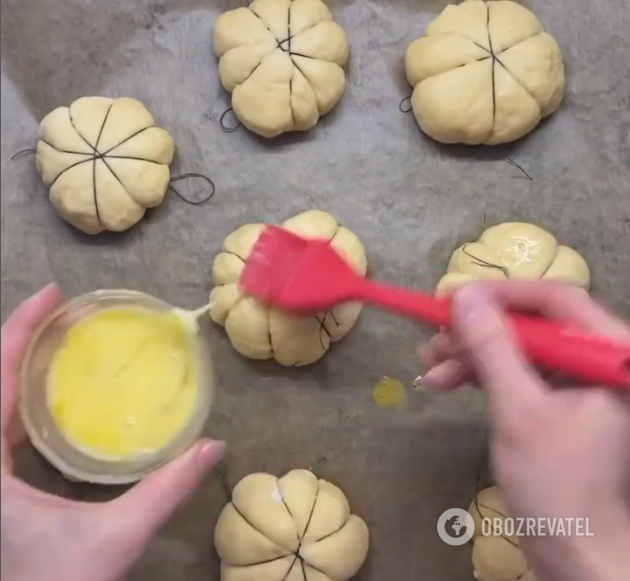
308	275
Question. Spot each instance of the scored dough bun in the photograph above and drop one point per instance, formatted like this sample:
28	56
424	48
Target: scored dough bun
104	162
514	250
282	61
294	528
484	73
258	332
495	557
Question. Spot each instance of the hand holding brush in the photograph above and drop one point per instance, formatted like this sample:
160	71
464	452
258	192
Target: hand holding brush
307	275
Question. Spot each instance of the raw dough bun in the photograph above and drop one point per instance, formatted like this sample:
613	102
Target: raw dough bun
514	250
296	528
495	558
282	61
258	332
104	161
484	73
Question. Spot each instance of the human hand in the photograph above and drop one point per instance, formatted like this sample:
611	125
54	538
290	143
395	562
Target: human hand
556	452
47	538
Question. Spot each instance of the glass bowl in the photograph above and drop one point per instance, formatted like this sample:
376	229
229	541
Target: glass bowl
40	425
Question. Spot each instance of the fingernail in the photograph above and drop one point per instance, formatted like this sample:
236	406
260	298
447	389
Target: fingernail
470	304
433	380
211	451
50	287
475	317
477	320
426	381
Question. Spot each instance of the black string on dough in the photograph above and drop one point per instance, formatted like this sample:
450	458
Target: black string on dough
200	202
484	263
405	105
23	152
96	154
192	176
494	63
480	486
224	126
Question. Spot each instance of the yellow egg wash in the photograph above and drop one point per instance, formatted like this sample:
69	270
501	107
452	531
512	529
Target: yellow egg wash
124	383
389	393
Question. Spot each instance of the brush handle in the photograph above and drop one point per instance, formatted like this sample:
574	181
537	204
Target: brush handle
546	343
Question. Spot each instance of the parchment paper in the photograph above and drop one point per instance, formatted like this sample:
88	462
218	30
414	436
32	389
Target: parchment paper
410	200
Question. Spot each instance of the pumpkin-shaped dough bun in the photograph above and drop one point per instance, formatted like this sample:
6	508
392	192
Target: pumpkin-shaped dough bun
484	73
514	250
282	61
258	332
104	162
495	557
294	528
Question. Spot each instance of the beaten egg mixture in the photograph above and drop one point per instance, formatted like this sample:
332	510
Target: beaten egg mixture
124	382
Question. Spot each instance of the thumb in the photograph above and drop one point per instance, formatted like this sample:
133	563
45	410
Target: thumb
145	508
17	333
482	329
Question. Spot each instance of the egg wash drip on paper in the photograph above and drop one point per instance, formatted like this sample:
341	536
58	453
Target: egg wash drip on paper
124	382
389	393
